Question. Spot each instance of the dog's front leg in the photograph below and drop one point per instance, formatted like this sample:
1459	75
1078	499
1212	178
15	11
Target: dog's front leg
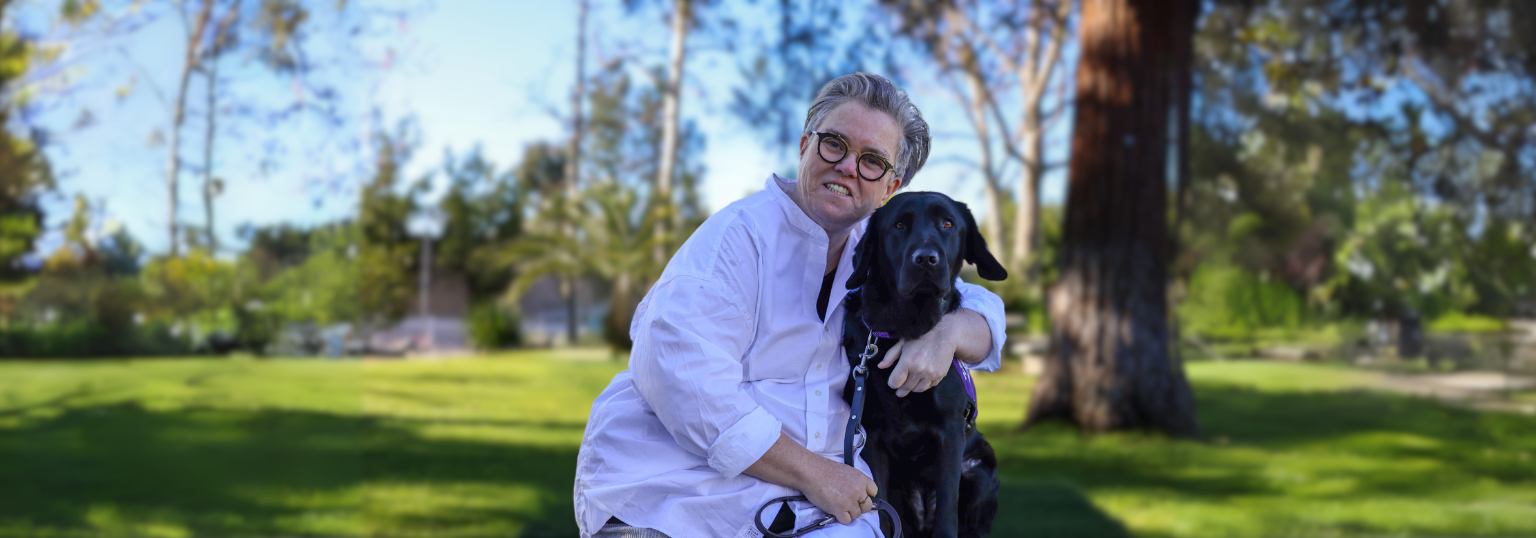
879	463
950	467
879	460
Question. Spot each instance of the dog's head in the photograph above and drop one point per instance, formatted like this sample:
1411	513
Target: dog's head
916	244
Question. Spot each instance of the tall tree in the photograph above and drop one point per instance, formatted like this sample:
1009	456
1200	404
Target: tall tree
991	49
805	44
386	251
671	97
274	33
24	172
189	63
220	42
1430	90
1111	368
569	282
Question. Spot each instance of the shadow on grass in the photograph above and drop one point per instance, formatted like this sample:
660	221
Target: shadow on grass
1382	446
1379	426
122	469
1030	508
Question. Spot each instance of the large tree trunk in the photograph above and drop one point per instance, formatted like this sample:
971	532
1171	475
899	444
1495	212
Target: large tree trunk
671	95
1110	368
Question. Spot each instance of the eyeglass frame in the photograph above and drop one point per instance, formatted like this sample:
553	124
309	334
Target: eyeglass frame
848	151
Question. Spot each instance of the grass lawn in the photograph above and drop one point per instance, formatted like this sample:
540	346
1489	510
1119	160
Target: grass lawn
487	446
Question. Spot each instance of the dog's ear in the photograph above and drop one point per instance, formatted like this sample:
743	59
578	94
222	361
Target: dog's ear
976	249
865	256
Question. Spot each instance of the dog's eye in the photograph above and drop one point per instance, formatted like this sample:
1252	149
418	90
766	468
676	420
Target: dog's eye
901	226
949	224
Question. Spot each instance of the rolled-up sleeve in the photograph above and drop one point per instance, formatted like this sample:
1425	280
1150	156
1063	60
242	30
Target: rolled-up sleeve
687	365
990	306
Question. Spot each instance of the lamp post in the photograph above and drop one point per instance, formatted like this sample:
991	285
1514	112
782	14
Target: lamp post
426	225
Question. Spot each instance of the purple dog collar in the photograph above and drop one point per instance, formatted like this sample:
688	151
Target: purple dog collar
880	334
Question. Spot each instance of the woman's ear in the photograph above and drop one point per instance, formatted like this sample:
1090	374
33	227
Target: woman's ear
864	256
976	249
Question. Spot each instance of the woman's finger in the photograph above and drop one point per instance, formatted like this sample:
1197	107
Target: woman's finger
892	356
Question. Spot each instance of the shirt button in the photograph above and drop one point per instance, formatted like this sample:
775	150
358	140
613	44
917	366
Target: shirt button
818	393
818	435
818	367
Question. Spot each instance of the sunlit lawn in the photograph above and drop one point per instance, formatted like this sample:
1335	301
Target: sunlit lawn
486	447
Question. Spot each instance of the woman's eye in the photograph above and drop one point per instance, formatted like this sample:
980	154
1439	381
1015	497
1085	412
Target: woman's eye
901	226
949	224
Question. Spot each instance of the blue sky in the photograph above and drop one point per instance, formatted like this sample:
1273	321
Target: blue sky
492	74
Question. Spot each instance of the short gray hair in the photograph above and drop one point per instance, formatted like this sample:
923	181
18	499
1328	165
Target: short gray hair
877	93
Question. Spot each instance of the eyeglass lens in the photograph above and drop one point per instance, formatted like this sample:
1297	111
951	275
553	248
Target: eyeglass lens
833	150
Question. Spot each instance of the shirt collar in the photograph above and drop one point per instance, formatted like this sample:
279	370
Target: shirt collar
792	211
797	216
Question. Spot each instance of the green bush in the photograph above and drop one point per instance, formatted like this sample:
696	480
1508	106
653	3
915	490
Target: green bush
492	327
1457	322
1228	303
82	339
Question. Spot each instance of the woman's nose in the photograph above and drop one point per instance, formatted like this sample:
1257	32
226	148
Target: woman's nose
848	166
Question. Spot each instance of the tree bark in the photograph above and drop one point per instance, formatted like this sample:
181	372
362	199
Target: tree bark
208	137
1110	367
671	95
178	114
211	71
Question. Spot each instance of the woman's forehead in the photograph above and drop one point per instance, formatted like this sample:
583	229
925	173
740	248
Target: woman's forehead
865	128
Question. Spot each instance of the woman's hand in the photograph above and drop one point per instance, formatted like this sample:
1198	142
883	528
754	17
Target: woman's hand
839	490
921	364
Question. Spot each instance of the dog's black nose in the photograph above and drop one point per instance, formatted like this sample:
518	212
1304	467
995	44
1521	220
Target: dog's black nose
926	258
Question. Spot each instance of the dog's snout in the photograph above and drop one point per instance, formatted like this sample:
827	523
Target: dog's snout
926	258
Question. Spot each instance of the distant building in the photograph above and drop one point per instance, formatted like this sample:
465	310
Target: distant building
545	313
443	329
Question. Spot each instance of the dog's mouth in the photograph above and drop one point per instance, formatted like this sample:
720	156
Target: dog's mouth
911	286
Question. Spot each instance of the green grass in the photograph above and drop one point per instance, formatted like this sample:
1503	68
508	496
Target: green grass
486	447
1457	322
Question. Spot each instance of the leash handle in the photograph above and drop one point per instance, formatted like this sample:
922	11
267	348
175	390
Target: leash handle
880	504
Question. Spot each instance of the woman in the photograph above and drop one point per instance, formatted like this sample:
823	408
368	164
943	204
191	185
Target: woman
733	396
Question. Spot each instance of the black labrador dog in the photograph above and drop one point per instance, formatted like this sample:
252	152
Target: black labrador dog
928	459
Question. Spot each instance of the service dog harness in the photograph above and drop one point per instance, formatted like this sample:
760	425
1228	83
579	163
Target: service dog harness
853	430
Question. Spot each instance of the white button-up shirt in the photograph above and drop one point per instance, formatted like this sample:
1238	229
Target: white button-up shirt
729	352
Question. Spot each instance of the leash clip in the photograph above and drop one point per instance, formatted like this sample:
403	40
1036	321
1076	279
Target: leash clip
816	525
871	348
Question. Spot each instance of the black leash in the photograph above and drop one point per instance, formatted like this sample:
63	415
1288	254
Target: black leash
860	372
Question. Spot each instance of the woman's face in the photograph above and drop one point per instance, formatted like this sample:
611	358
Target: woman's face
834	195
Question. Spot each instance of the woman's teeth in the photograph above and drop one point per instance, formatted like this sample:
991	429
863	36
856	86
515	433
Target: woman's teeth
839	189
